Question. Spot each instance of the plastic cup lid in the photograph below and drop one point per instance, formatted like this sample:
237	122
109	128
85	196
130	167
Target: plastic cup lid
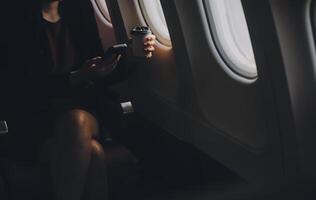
140	30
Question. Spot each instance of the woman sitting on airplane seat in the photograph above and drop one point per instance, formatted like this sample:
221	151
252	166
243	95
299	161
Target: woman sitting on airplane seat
53	48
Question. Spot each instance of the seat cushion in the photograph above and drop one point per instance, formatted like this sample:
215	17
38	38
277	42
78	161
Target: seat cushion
123	171
31	181
27	181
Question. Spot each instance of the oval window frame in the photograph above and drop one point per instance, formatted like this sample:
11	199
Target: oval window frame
162	37
103	10
227	61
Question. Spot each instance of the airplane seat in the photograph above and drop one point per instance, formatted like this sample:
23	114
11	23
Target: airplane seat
3	187
123	166
3	147
123	171
25	180
29	179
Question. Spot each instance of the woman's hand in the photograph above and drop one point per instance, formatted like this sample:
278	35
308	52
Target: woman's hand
149	45
94	69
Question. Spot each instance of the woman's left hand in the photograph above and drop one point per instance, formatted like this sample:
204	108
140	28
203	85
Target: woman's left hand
149	45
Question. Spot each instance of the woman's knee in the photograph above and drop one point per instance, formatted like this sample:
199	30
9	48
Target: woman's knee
97	151
76	125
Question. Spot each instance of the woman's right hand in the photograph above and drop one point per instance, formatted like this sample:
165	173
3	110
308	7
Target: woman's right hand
94	69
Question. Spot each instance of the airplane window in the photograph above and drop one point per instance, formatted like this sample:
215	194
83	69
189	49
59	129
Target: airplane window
101	4
155	19
231	36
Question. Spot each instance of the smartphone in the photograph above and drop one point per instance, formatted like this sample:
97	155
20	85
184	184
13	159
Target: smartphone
118	49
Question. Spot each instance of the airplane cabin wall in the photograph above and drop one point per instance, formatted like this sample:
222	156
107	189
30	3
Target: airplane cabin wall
295	30
105	27
186	91
247	125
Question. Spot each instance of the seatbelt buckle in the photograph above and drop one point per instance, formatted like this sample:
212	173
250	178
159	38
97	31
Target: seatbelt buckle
3	127
127	108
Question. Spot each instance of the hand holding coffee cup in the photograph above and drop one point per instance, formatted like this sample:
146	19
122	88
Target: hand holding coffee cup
143	42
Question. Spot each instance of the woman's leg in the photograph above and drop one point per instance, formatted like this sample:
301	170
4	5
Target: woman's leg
96	184
74	154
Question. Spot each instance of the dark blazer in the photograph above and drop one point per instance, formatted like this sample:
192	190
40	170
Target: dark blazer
26	80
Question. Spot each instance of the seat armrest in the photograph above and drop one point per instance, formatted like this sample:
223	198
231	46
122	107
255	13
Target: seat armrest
4	137
3	127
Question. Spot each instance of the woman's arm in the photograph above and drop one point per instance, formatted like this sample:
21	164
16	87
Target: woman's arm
128	63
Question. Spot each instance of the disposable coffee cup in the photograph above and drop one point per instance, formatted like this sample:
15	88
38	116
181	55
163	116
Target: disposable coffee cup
139	34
